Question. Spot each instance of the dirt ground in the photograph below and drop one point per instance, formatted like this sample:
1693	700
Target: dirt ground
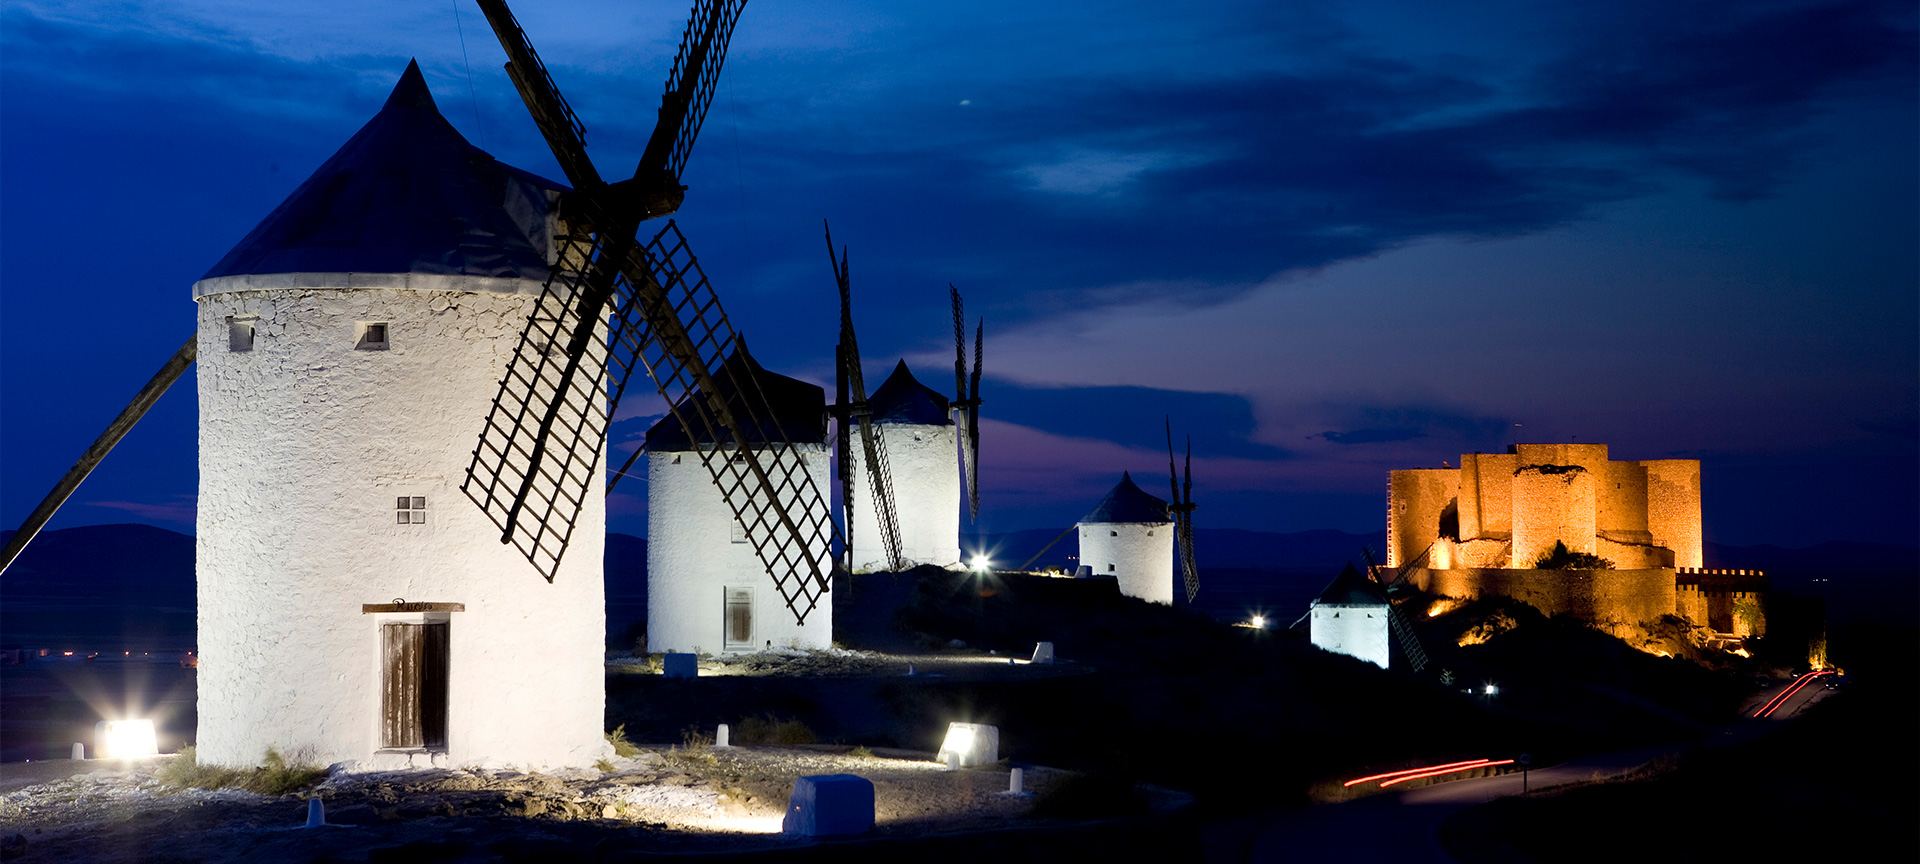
681	800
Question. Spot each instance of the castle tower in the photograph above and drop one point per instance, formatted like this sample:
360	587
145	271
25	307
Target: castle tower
1350	617
1130	536
353	604
707	590
922	461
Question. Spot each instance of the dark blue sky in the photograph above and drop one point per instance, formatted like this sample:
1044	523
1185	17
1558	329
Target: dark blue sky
1331	239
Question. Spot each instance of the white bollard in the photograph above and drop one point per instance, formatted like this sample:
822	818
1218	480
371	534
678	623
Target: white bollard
1016	783
953	760
316	813
79	752
909	670
720	736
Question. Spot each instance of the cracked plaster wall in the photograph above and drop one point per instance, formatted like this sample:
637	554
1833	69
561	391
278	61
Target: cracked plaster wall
305	444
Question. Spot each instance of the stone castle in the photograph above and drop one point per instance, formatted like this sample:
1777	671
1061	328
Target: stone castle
1508	523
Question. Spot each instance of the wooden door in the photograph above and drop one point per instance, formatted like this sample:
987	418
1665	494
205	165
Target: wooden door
739	620
413	705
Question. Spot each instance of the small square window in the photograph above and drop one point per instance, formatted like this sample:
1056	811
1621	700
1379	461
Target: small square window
1109	568
1113	533
410	510
372	336
239	333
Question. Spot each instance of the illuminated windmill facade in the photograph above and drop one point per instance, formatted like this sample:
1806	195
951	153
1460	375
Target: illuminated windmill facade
707	590
352	604
921	459
1129	536
1352	617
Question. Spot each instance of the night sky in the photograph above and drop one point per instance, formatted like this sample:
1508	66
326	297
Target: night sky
1329	239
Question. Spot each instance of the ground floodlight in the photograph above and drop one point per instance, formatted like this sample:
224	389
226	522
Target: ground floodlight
124	739
980	562
972	744
1259	622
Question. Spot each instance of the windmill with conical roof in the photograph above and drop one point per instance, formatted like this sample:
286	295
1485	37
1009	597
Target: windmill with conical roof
1129	536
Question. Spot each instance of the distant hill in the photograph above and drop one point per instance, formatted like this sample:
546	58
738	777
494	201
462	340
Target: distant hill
101	587
132	586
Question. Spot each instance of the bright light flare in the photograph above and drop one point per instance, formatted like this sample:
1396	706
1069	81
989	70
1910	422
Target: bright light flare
124	739
979	562
1259	622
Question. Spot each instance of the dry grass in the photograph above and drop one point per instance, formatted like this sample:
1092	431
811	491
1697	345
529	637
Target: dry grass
274	776
621	746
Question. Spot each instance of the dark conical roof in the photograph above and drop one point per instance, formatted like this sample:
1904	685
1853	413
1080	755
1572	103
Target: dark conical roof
799	409
903	399
405	194
1128	503
1352	589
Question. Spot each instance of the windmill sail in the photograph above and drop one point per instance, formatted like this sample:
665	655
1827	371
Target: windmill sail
966	403
1182	508
613	305
858	414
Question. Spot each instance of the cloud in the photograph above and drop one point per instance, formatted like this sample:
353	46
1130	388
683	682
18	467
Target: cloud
180	510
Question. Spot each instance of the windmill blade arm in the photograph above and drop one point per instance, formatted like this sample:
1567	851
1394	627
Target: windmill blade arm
558	124
170	372
690	86
880	478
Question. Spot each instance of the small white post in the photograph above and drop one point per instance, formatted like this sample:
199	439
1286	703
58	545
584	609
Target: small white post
953	760
1016	782
79	752
720	736
316	813
909	670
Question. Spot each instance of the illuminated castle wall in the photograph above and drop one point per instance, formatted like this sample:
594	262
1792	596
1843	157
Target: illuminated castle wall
1506	510
1481	529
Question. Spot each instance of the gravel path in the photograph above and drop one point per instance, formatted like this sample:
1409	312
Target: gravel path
717	799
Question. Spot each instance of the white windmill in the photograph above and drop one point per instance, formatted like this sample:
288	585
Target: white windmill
1129	536
906	511
707	591
351	605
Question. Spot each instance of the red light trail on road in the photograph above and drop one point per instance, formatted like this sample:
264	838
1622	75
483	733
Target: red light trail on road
1777	701
1428	771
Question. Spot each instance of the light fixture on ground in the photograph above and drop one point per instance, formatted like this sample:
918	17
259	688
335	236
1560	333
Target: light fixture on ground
980	562
1259	622
970	744
124	739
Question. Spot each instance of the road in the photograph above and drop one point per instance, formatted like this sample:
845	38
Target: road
1401	826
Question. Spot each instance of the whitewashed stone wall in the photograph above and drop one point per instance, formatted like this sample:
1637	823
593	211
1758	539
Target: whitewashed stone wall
1138	554
1356	631
693	558
924	464
305	443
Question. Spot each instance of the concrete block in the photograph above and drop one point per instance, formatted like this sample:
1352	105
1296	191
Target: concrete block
681	665
830	805
79	751
971	744
1043	652
722	736
316	813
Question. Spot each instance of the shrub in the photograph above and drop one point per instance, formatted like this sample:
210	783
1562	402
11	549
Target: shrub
621	746
1562	558
768	729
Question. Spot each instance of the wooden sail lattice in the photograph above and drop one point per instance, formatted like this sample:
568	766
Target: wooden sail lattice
665	319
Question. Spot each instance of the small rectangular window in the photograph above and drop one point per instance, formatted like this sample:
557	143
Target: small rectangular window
239	333
372	336
1109	568
410	510
1113	533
